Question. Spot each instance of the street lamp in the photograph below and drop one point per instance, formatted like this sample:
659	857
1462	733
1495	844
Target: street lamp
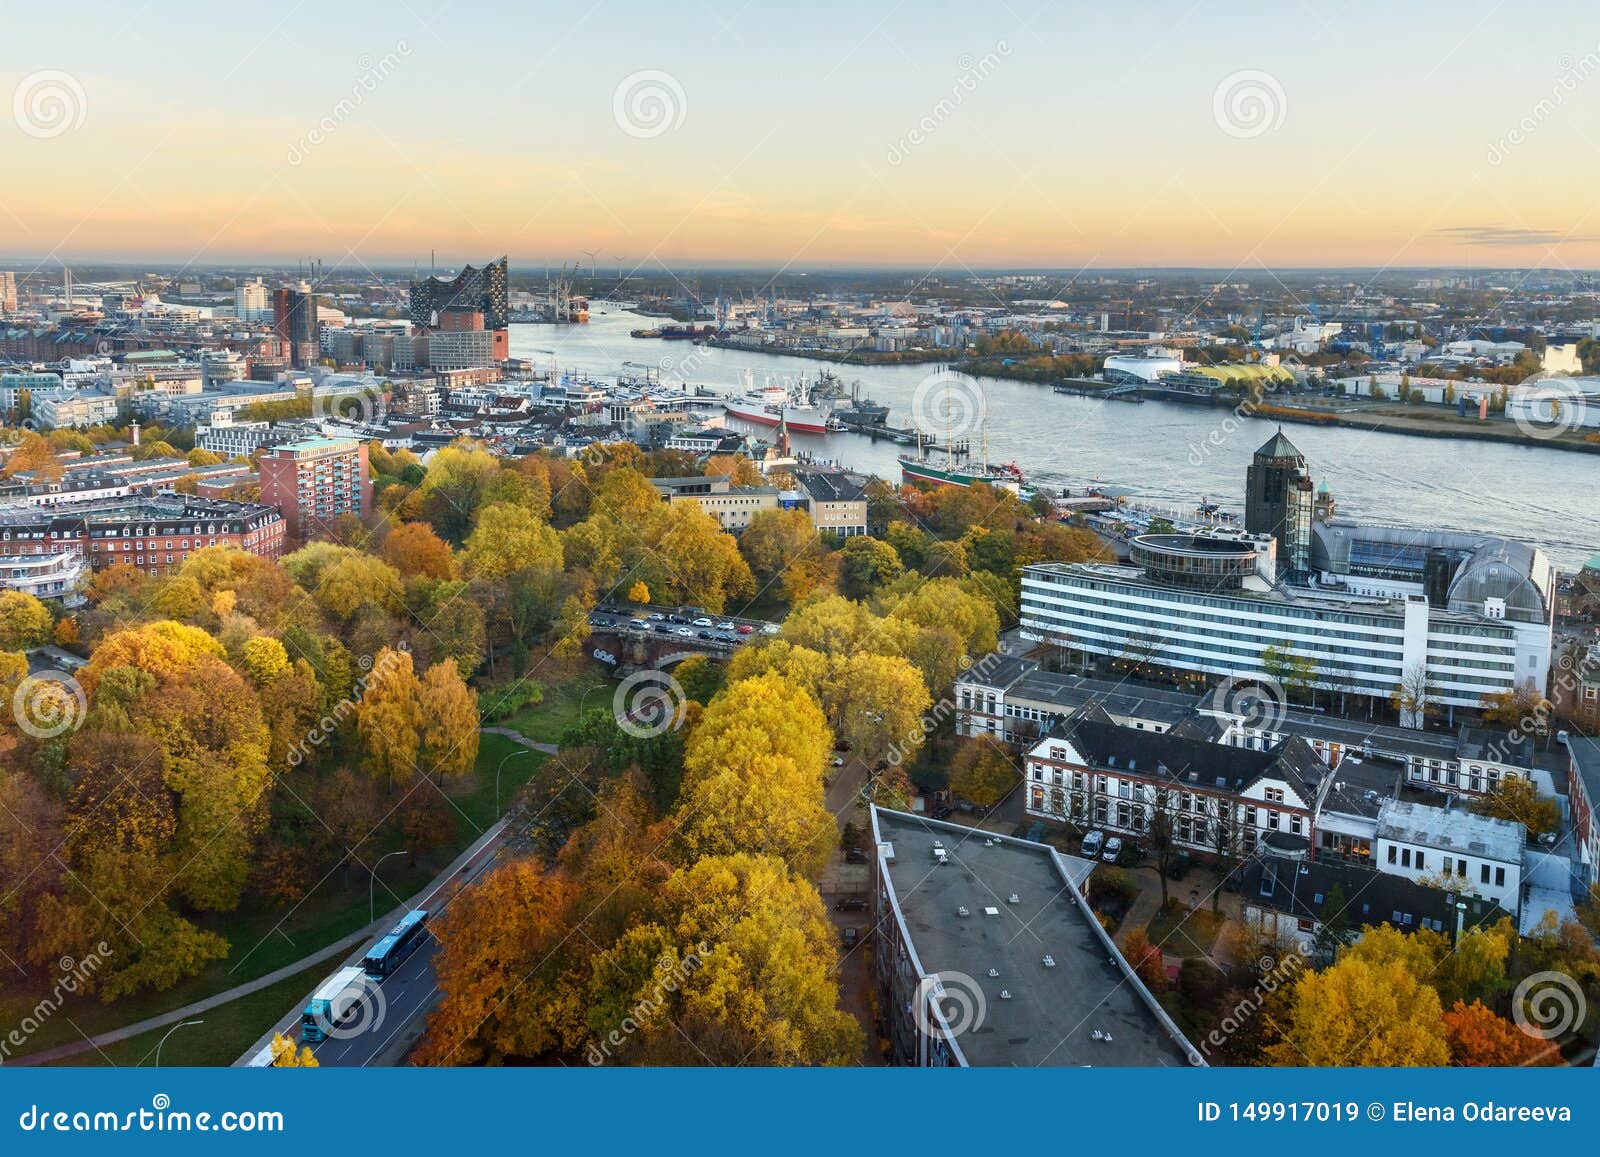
170	1031
498	770
372	884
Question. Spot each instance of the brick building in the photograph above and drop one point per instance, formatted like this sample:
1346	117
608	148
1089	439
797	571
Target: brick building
314	481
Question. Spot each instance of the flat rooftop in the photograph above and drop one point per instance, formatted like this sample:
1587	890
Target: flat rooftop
1452	829
1053	1012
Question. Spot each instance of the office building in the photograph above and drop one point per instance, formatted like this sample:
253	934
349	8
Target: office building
294	320
1278	501
315	480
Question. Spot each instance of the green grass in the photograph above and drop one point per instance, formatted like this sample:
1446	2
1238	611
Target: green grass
548	720
227	1032
1183	933
263	938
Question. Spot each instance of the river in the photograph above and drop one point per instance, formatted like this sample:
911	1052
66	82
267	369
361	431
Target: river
1162	452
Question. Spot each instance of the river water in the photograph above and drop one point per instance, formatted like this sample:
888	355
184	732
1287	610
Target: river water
1161	452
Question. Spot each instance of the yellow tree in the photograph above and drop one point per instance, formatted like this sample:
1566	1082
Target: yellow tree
753	776
389	718
882	703
1357	1013
982	772
286	1056
639	593
449	738
702	562
762	988
264	659
24	621
510	538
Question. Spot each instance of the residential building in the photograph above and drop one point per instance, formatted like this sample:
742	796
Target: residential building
985	953
58	574
315	480
154	534
1481	854
252	301
1288	900
63	409
460	349
8	292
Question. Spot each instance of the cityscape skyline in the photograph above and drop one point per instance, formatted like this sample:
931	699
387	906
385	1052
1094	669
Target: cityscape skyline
1170	138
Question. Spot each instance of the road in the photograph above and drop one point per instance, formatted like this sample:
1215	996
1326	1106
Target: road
403	1000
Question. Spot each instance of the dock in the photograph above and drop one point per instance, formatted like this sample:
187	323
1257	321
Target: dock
887	433
1095	388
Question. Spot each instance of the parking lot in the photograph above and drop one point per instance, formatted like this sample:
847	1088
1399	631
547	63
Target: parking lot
687	623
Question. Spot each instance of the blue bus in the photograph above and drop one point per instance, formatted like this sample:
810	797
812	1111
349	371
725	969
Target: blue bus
401	941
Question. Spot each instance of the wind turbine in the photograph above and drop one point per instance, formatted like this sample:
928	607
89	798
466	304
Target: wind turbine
589	253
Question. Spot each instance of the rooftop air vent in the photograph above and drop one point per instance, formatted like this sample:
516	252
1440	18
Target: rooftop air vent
1049	961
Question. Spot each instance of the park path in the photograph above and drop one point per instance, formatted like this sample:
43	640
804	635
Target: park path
484	844
518	737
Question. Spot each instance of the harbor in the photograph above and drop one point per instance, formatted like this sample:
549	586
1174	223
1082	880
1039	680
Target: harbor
1164	453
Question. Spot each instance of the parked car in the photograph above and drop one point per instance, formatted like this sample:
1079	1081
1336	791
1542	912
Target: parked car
1113	850
850	903
727	626
639	624
770	628
657	617
849	937
838	761
854	856
1092	844
685	632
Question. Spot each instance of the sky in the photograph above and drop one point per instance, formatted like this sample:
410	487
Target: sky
914	133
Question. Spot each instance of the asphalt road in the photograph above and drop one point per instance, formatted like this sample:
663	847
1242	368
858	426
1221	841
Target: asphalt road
400	1018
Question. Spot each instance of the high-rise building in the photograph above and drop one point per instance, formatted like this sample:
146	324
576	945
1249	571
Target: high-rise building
252	301
315	480
1278	500
8	292
294	318
486	290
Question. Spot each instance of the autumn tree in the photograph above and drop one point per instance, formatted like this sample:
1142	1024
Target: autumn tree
510	538
1516	798
1357	1013
286	1056
448	747
982	772
752	954
1145	959
25	622
413	548
506	988
389	718
752	776
866	564
1479	1038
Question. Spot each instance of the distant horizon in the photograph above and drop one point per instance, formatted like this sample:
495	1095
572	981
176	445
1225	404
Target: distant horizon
839	135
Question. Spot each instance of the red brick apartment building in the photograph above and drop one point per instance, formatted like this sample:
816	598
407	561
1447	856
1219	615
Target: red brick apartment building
314	481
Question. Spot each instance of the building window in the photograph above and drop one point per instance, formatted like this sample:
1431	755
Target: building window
1483	877
1499	877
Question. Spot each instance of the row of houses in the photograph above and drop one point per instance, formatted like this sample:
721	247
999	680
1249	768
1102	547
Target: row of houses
1210	779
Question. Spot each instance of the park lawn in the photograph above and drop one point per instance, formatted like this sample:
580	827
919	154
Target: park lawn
1179	932
548	720
263	940
227	1032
